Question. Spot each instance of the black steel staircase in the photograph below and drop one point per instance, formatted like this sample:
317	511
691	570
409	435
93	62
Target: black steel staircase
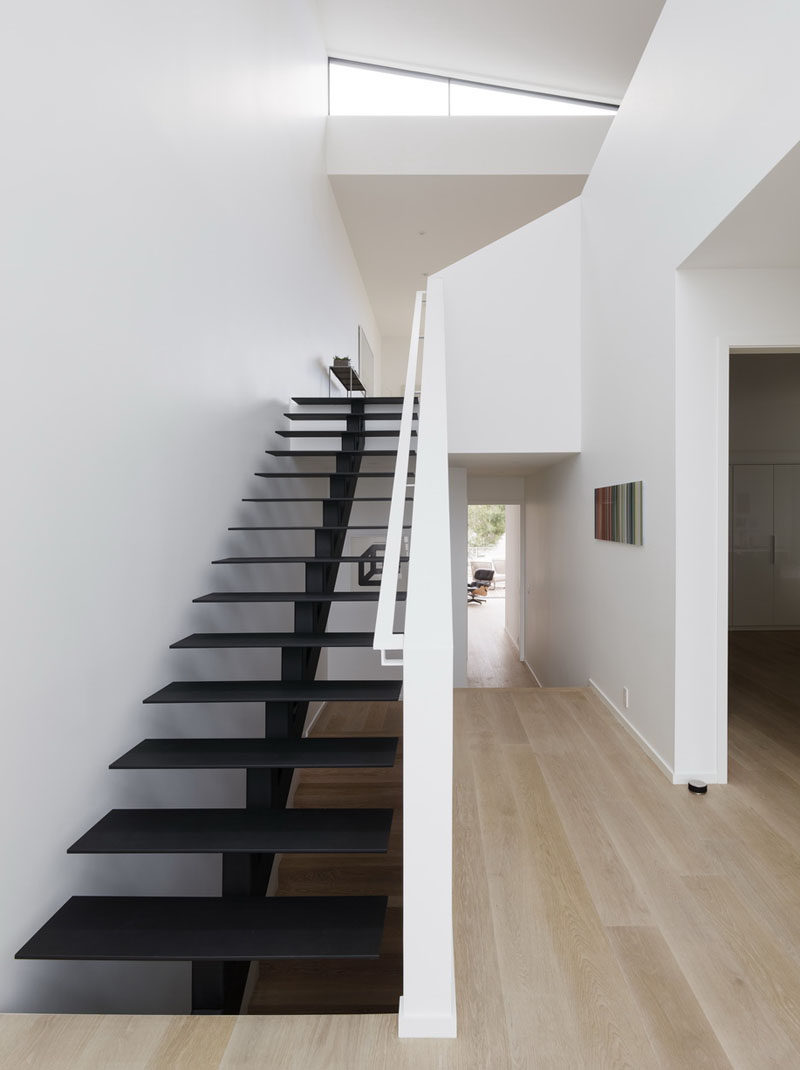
222	935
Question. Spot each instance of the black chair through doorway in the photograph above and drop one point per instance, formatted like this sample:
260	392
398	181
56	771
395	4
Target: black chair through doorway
478	588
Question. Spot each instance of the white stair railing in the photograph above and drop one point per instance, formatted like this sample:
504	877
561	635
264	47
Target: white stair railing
386	638
427	1007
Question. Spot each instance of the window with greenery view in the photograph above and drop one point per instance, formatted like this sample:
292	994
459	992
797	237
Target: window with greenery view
486	525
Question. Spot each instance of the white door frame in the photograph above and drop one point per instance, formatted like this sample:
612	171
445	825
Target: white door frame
767	343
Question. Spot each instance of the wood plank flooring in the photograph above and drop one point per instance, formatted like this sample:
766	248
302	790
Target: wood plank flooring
492	659
604	917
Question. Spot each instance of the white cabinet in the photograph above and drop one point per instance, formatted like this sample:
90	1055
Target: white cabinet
765	545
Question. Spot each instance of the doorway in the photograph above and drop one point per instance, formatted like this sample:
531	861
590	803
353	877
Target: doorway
764	561
494	597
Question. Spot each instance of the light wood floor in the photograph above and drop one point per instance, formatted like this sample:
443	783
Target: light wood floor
604	918
492	659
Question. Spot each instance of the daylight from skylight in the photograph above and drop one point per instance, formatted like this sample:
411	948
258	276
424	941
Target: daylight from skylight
356	90
467	99
362	89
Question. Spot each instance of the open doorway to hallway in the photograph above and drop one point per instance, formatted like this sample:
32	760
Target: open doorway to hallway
764	567
494	604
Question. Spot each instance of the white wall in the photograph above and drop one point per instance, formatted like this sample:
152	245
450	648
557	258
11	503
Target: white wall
554	598
679	156
173	269
764	408
513	579
495	490
458	564
456	145
715	311
513	341
394	364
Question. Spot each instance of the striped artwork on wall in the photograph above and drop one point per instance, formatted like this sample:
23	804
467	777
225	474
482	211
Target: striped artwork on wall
618	513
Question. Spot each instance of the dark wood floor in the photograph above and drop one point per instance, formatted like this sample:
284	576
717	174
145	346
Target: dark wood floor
339	986
764	707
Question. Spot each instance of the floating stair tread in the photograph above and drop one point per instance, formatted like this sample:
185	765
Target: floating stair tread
349	560
278	691
349	401
328	475
245	640
336	453
317	527
346	416
201	928
201	831
337	433
353	500
317	753
293	596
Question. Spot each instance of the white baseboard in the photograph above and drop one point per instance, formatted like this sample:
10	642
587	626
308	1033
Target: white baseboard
533	674
514	642
651	753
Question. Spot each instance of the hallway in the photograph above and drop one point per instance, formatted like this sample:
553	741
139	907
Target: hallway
492	659
603	916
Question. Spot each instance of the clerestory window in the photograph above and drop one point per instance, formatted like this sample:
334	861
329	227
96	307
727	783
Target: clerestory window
369	89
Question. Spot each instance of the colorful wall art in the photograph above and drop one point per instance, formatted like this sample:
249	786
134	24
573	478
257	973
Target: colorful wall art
618	513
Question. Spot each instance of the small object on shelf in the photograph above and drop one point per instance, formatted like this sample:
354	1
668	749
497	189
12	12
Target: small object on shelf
347	376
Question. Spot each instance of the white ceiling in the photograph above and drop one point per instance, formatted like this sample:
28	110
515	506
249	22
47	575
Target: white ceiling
579	47
763	231
384	215
505	464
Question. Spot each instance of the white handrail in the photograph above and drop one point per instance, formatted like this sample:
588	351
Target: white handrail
428	1007
386	638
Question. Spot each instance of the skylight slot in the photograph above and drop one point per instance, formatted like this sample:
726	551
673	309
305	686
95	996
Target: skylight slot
466	98
368	89
357	89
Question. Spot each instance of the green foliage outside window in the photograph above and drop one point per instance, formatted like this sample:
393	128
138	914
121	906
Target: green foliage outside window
486	524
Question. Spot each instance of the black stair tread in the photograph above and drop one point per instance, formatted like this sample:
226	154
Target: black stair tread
293	596
346	416
336	752
317	527
337	433
328	475
202	928
201	831
244	640
355	501
309	560
278	691
348	401
336	453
